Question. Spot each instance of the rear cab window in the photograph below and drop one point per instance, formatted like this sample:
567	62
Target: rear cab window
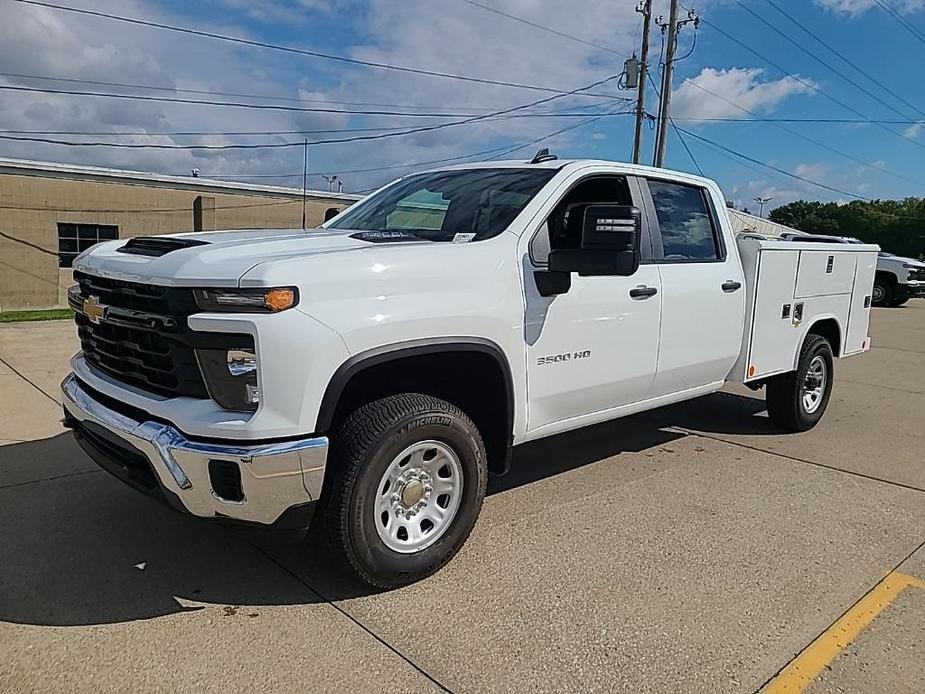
688	229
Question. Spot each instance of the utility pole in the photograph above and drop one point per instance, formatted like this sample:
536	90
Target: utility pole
761	203
645	9
304	178
671	45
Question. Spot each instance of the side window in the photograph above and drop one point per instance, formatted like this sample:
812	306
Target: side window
562	228
687	229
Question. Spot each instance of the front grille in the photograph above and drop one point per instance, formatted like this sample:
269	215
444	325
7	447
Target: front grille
146	359
136	296
141	338
917	275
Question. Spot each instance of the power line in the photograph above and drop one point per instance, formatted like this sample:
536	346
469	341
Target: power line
807	138
772	167
210	92
549	30
260	107
201	133
507	149
283	145
846	121
115	133
291	49
229	104
907	25
732	154
819	60
808	85
873	80
684	143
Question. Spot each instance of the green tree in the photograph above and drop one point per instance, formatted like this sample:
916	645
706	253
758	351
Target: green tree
898	226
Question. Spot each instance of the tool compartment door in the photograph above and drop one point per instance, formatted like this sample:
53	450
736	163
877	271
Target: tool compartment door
856	338
772	330
824	273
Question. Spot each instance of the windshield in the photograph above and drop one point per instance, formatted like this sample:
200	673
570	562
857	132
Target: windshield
465	205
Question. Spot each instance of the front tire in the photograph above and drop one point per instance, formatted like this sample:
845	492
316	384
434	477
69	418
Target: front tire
409	477
798	399
882	294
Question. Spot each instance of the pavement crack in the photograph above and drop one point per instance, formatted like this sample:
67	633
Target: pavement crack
880	385
882	480
28	380
48	479
353	619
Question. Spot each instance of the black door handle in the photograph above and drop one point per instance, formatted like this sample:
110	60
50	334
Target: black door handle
643	292
731	286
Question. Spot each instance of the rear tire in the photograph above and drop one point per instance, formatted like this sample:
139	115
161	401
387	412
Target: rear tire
882	294
408	479
797	400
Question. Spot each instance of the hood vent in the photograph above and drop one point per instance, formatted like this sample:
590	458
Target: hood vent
156	246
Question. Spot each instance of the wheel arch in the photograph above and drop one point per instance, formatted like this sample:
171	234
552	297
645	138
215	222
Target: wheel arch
827	327
393	368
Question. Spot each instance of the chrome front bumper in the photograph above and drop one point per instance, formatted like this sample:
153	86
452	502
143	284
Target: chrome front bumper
275	477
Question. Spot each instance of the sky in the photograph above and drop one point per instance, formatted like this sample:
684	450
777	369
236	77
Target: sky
784	60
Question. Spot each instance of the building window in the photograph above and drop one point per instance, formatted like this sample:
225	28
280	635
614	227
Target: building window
331	213
74	239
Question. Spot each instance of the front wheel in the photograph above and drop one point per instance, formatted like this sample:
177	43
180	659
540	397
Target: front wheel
797	400
408	480
882	294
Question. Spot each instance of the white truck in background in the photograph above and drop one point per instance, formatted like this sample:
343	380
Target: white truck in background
377	369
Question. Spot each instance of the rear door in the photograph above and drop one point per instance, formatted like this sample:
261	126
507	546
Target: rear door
703	292
594	347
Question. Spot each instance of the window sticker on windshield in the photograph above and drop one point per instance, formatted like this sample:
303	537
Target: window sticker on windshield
463	238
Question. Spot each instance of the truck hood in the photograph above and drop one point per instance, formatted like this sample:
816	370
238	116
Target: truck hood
218	258
909	261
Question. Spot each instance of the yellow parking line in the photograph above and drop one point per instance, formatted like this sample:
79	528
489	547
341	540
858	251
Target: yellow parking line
806	667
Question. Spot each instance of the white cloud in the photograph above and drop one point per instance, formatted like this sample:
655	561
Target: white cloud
815	171
914	130
853	8
717	93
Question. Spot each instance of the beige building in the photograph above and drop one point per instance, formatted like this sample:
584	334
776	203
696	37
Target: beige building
51	212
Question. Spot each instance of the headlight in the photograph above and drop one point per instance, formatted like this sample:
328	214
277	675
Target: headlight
911	267
231	377
269	300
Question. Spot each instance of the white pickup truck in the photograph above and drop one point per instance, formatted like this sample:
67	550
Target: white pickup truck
380	367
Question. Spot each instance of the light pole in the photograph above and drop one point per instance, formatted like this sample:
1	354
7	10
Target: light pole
761	203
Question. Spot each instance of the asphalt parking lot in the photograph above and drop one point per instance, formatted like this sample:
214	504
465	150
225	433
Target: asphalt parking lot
693	548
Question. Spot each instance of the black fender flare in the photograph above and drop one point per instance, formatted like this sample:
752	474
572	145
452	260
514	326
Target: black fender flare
413	348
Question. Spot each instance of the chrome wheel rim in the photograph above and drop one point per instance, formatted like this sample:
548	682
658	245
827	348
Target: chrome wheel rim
418	496
878	293
814	384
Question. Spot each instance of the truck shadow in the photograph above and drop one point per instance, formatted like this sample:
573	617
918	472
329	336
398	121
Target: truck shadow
82	549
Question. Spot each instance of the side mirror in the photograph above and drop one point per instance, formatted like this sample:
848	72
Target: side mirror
609	243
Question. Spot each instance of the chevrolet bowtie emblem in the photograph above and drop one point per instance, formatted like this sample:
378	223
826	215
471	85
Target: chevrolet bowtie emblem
94	309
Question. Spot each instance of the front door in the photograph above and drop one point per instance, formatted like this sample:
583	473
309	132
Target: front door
594	347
